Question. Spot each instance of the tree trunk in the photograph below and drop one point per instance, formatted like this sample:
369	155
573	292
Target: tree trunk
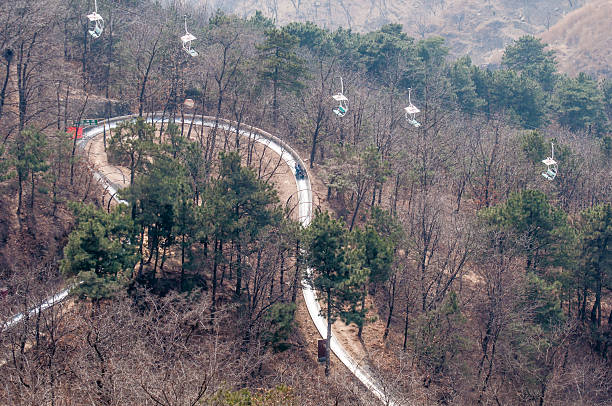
20	182
156	256
140	249
585	293
74	141
132	168
238	271
543	392
391	305
282	275
395	194
313	149
182	261
213	304
489	371
32	195
163	260
275	98
296	277
145	78
8	55
359	200
596	311
406	326
363	311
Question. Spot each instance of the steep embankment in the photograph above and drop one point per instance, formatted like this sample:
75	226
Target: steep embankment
583	40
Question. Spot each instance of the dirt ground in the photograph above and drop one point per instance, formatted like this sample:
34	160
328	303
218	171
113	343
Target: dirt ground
95	153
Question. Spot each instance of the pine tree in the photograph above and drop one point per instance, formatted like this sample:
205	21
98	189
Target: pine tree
30	158
377	258
528	56
337	270
596	258
579	104
540	227
237	207
280	64
157	199
133	141
100	252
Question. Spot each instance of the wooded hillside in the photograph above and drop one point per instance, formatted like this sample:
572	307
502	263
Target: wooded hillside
463	274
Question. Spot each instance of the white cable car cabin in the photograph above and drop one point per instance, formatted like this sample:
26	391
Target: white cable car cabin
186	39
411	112
96	22
342	108
551	165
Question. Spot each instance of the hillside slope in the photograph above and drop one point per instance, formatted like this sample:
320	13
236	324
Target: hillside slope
583	40
480	29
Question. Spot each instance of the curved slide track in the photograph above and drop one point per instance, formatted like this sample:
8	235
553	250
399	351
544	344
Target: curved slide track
291	158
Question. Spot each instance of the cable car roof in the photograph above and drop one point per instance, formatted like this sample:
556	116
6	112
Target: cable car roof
188	37
412	109
94	16
339	97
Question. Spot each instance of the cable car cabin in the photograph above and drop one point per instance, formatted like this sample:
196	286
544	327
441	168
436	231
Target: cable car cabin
551	164
551	168
300	173
186	39
411	112
96	24
342	108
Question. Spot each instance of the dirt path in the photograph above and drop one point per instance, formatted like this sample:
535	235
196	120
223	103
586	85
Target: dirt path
118	175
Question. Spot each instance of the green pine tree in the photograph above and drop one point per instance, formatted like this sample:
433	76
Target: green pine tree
132	141
100	253
280	64
529	56
30	158
596	256
579	104
337	270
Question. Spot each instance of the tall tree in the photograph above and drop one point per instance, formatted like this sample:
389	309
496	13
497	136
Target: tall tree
461	78
580	105
337	271
30	152
229	36
247	206
280	64
529	56
377	259
538	225
132	141
237	208
159	199
100	253
596	258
